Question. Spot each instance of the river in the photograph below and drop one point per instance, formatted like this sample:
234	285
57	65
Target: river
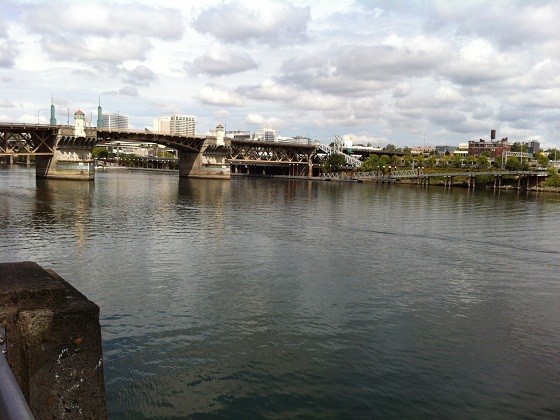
281	298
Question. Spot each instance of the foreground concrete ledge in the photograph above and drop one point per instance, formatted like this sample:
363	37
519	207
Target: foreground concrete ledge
53	343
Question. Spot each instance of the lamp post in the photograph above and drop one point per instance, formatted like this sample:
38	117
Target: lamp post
38	111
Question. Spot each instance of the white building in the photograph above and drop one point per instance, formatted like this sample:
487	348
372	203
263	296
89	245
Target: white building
266	134
162	125
176	124
347	140
115	121
182	124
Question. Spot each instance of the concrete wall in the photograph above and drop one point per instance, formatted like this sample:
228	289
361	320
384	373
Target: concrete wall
53	343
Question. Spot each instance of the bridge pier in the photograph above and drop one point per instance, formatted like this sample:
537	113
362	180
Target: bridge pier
71	156
209	163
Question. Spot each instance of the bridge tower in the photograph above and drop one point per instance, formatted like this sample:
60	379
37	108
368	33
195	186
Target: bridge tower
99	115
71	152
53	117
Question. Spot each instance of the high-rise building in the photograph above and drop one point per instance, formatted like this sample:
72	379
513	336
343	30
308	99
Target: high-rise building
162	125
176	124
182	124
266	134
115	121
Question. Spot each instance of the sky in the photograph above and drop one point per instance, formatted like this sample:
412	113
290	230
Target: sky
401	72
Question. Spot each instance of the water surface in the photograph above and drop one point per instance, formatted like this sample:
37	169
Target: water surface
287	298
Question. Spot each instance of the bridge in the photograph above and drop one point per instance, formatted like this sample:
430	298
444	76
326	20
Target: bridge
65	151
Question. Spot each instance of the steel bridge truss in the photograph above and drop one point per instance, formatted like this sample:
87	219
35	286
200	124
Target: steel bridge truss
24	139
269	152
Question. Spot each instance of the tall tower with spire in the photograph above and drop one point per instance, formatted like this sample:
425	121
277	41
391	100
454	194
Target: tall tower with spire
99	114
53	117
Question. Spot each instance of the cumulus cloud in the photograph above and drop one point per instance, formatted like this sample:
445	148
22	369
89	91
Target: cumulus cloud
113	50
269	90
479	62
222	114
100	32
140	76
267	22
220	96
220	61
8	47
8	53
6	104
260	121
509	24
104	20
125	91
353	70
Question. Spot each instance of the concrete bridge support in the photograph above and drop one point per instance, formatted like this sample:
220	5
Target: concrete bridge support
71	158
53	343
210	162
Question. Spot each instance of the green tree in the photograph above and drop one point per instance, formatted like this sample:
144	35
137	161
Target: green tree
407	160
445	160
513	164
370	164
471	160
483	162
384	160
553	179
457	161
542	160
334	163
431	161
519	147
99	152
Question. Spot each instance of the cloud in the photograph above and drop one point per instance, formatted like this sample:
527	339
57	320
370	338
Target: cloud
8	47
260	121
6	104
104	20
220	96
363	69
510	24
125	91
222	114
140	76
269	90
8	53
220	61
64	48
267	22
479	62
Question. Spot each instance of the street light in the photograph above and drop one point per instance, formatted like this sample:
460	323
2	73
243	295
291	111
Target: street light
38	111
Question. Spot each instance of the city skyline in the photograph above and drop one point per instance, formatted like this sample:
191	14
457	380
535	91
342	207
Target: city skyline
407	73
